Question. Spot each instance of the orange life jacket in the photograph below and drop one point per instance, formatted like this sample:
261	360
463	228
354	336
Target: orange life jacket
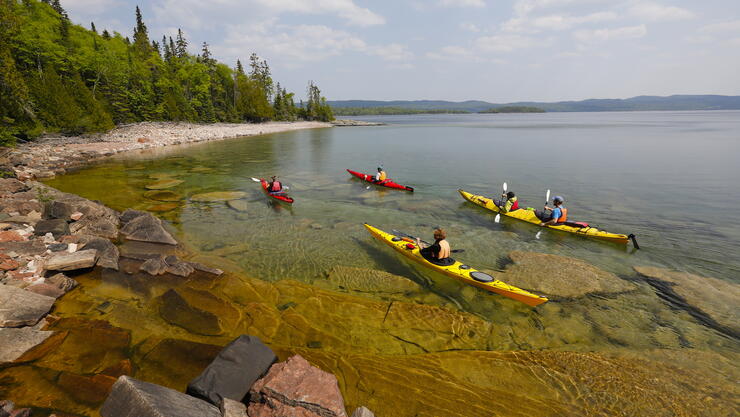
381	176
563	215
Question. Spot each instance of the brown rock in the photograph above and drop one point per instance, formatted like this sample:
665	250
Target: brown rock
22	308
16	342
72	261
231	408
11	236
123	367
154	266
11	186
76	216
7	263
146	228
143	140
62	282
294	387
108	253
196	311
89	389
48	290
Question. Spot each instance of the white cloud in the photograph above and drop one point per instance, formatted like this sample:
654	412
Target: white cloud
392	52
506	43
346	9
722	27
525	7
607	34
554	22
659	12
90	7
462	3
470	27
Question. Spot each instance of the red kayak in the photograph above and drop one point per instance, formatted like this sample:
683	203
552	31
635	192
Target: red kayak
386	183
281	196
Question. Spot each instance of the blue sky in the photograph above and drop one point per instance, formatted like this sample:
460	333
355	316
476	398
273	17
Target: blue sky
494	50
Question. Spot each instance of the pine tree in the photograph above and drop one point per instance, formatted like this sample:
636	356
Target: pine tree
106	34
239	67
181	49
92	27
141	34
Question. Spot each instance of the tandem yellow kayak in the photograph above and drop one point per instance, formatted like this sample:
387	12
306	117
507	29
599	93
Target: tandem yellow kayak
458	270
529	216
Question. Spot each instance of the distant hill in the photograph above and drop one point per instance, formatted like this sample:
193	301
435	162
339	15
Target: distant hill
640	103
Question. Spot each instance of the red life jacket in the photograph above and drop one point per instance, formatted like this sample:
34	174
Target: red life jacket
515	206
276	186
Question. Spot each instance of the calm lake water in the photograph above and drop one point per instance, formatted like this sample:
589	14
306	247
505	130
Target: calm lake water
671	178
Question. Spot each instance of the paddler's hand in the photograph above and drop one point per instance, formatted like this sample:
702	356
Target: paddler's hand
542	225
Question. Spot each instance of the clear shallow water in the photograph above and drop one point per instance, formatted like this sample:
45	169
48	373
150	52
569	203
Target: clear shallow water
668	177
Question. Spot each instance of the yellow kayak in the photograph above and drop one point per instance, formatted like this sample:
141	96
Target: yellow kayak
529	216
458	270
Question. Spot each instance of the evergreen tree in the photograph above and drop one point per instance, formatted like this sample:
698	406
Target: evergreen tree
92	27
141	34
106	34
181	49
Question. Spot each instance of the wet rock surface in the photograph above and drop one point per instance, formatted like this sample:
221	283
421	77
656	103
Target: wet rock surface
16	342
560	276
366	281
713	301
131	397
144	227
233	371
294	387
22	308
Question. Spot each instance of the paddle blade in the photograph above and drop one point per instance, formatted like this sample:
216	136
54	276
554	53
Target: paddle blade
255	179
505	187
537	236
547	196
498	218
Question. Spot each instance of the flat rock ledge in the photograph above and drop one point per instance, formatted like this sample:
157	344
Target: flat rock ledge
350	123
16	342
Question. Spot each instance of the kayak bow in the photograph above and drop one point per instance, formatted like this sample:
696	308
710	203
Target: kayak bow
458	270
386	183
529	216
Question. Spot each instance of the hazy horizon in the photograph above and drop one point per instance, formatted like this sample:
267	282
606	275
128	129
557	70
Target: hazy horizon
506	51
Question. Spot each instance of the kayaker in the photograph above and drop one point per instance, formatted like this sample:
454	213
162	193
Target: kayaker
381	176
559	214
275	186
438	252
510	203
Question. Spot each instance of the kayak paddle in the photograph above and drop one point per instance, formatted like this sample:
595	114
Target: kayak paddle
412	239
285	187
547	198
498	215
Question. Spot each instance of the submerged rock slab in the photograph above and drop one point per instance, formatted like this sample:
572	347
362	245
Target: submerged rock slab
164	184
716	298
22	308
218	196
131	397
295	388
196	311
162	195
238	205
15	342
233	371
364	280
560	276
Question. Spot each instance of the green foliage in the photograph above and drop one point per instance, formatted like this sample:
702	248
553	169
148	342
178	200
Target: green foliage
317	107
58	76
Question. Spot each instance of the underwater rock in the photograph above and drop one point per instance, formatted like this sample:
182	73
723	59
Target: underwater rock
131	397
218	196
145	228
16	342
362	412
364	280
174	362
161	208
196	311
713	297
89	389
560	276
162	195
238	205
294	387
22	308
164	184
154	266
231	374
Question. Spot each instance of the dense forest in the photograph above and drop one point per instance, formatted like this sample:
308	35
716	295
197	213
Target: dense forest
56	76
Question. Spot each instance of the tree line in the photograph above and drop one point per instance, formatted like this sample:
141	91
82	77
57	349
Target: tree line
56	76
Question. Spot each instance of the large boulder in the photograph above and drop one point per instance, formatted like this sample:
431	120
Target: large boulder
16	342
716	299
145	228
232	373
131	397
22	308
560	276
107	252
295	388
